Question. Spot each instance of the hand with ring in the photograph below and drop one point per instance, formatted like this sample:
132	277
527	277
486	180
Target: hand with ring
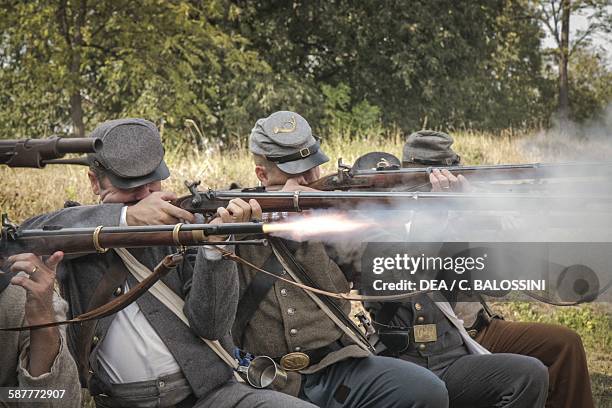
444	181
39	284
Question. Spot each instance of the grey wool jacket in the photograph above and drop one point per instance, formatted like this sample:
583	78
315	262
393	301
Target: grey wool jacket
209	288
14	356
287	319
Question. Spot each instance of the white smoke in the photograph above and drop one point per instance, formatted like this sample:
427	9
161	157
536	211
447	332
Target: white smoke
570	141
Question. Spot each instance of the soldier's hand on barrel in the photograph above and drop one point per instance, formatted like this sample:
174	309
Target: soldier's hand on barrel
157	210
237	210
445	181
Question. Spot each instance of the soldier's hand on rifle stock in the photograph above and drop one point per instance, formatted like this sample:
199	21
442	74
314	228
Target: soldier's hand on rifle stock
155	209
445	181
237	210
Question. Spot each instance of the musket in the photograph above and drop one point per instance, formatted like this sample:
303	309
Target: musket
100	239
207	202
91	240
385	177
37	153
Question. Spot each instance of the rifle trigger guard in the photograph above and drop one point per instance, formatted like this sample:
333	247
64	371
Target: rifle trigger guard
96	240
296	201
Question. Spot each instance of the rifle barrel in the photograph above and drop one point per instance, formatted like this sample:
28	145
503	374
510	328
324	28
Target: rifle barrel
419	176
565	169
78	145
100	239
37	152
207	229
302	200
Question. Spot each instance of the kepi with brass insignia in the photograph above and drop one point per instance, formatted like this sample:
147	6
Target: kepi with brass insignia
286	139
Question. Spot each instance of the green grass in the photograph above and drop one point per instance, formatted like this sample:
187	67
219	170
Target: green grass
594	325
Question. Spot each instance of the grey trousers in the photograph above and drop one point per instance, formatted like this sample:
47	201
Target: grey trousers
375	382
496	380
174	391
235	395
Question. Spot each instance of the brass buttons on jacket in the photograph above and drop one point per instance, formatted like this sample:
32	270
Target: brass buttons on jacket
420	319
473	333
283	292
422	347
291	311
95	340
293	332
418	306
298	348
118	291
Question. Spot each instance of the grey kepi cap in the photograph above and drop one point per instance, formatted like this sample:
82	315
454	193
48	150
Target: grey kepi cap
132	154
429	147
376	160
286	139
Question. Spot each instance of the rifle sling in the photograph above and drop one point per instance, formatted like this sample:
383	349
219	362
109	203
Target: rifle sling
117	304
294	267
255	293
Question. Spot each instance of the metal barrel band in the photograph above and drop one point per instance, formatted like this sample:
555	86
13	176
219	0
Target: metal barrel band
96	240
296	201
175	234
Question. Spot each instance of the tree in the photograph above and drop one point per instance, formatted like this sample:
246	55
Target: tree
590	85
555	15
69	64
417	61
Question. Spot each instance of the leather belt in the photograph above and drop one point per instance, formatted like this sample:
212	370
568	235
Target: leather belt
314	356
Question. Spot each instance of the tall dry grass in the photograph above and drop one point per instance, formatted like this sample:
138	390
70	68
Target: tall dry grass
27	192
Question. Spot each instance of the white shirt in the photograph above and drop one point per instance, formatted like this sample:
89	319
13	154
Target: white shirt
132	350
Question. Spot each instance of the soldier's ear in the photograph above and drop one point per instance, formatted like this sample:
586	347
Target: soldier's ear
94	181
262	173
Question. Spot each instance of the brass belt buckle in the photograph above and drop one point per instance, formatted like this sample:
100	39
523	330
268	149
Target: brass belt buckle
425	333
295	361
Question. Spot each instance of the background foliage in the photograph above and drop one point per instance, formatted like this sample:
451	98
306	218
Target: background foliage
396	64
